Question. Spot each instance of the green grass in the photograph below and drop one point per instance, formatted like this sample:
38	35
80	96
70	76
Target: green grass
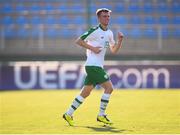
132	111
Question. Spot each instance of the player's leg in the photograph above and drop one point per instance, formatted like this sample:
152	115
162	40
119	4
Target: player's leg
108	88
68	116
79	99
86	90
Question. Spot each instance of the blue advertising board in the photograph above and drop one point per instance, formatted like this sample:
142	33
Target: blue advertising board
70	75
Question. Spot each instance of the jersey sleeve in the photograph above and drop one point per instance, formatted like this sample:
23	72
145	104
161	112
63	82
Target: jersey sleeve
86	34
111	39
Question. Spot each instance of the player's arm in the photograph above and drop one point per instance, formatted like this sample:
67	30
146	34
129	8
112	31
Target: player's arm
114	48
82	43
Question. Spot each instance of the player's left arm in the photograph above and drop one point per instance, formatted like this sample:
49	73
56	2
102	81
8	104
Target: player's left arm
114	48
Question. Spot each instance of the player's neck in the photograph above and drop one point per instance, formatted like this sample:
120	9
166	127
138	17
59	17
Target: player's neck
103	27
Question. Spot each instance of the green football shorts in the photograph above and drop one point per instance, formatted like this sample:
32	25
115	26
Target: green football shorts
95	75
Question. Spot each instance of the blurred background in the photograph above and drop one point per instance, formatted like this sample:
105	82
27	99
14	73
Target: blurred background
46	30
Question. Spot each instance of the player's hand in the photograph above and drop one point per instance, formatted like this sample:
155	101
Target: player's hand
120	36
97	49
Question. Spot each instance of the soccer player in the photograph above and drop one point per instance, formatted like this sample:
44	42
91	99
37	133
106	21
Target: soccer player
96	41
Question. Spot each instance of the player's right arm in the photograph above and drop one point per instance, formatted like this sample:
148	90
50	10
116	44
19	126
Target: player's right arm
88	35
82	43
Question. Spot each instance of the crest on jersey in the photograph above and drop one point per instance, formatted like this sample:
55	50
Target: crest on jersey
106	76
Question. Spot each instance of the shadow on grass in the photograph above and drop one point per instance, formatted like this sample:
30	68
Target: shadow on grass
104	129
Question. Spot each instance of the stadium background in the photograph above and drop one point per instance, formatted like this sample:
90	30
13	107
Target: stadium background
37	51
42	30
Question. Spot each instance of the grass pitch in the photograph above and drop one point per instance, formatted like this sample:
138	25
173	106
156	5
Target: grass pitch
132	111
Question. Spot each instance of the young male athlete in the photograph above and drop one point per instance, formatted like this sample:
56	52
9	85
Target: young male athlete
96	41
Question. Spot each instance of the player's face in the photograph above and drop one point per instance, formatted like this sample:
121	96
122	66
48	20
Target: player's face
104	18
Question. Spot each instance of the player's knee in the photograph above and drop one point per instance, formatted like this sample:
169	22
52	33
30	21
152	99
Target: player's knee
86	90
109	90
85	94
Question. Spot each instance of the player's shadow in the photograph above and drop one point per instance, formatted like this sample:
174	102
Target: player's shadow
106	129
